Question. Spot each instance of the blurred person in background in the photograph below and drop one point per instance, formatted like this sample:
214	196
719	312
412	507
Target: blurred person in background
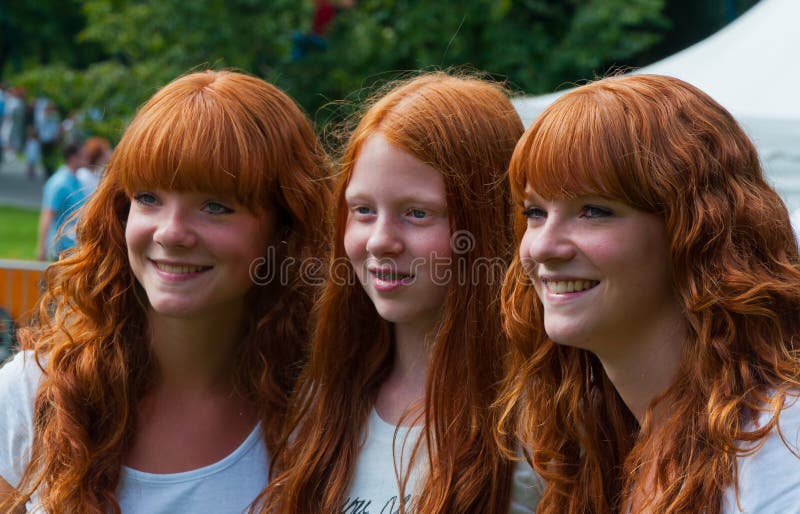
63	195
49	129
71	128
12	130
33	152
97	151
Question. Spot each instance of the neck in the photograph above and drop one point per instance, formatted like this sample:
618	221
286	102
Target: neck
195	353
412	353
404	388
646	368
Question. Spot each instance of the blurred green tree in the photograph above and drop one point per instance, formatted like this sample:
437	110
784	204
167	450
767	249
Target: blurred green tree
535	44
148	43
43	32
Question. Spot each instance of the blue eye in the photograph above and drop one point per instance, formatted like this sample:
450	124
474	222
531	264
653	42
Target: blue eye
593	211
533	212
417	214
145	198
217	208
362	209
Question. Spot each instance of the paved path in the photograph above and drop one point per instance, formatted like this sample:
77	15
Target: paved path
16	189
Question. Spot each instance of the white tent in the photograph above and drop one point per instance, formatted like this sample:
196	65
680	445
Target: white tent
752	67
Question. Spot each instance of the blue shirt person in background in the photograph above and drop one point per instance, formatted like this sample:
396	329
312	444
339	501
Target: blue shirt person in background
63	195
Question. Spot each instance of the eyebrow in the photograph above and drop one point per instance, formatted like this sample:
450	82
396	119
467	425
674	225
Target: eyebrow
406	199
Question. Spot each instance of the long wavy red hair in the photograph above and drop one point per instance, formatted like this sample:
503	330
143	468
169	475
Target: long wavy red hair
466	128
218	131
664	147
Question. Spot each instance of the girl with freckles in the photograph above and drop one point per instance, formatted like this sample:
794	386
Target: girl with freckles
653	308
392	412
155	378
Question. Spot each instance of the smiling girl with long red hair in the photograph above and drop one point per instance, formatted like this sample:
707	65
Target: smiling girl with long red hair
392	412
654	308
156	376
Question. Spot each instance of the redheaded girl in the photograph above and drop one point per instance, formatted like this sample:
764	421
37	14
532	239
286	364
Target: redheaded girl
392	412
654	308
156	376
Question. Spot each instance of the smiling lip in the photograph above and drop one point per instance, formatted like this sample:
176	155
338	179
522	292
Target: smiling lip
178	271
387	279
567	286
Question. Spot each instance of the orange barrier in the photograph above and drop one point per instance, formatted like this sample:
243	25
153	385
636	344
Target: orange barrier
20	286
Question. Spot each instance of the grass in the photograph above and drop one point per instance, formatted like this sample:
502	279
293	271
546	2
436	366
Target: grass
18	228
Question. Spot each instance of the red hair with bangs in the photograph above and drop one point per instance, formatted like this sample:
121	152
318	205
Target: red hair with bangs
216	131
664	147
466	128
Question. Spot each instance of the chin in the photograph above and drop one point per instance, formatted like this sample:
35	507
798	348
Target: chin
567	336
174	309
392	315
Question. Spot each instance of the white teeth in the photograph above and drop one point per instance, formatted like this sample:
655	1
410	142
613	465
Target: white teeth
569	286
182	268
388	275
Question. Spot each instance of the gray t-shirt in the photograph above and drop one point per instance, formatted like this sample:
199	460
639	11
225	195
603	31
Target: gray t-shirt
374	489
225	487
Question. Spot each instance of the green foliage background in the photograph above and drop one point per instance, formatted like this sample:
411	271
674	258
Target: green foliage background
113	54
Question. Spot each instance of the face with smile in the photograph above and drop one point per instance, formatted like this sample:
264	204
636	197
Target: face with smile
398	233
191	251
601	270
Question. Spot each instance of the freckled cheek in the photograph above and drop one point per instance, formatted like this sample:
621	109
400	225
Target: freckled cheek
431	246
257	250
136	235
636	265
654	267
355	242
135	240
264	237
446	244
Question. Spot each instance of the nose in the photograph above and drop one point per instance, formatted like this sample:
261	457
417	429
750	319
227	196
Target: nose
175	229
551	241
384	238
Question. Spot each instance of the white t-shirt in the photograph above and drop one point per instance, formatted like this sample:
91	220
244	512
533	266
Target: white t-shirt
374	489
225	487
769	480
